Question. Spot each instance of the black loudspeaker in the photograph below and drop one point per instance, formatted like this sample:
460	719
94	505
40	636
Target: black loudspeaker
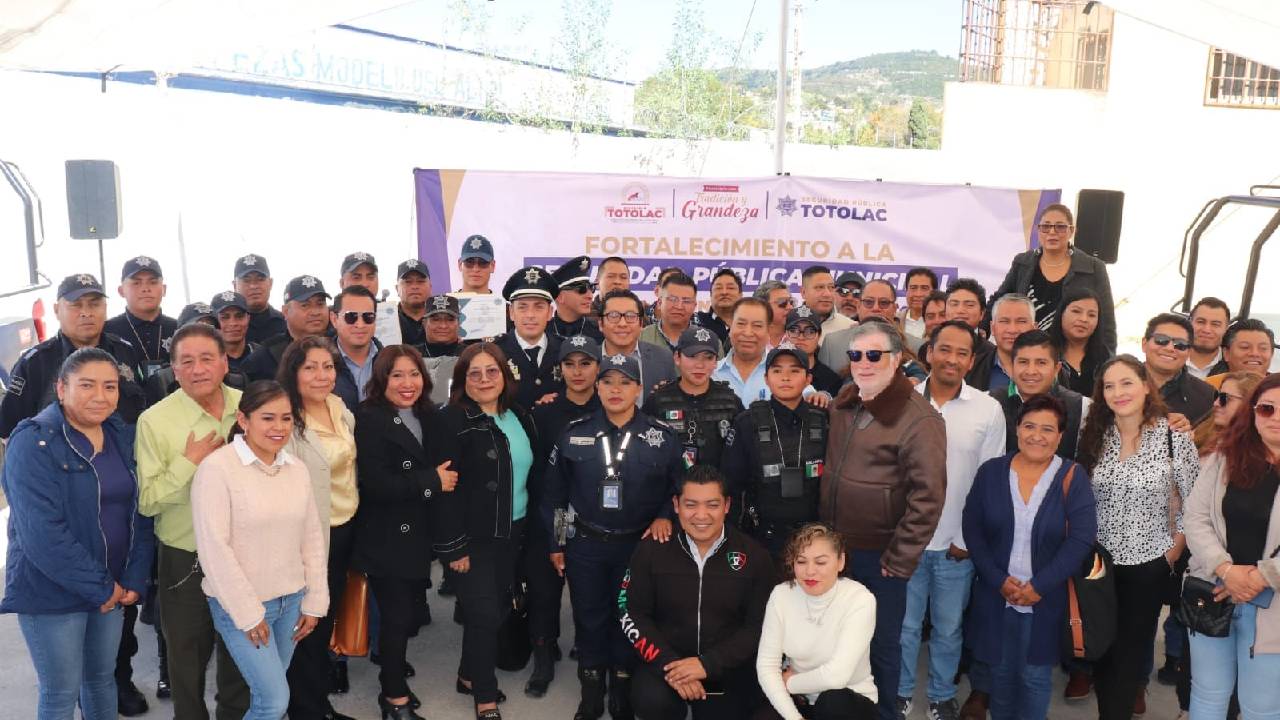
93	199
1098	214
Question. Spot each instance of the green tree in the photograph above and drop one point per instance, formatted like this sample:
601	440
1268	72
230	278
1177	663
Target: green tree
918	124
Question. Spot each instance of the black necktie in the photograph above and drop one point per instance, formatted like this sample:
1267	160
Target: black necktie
533	354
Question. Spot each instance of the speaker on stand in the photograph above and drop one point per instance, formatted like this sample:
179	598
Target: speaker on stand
93	203
1098	215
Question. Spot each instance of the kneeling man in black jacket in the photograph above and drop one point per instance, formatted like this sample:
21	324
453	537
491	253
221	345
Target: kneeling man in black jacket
693	608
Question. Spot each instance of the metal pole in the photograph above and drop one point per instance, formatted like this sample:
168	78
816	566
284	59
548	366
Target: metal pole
780	111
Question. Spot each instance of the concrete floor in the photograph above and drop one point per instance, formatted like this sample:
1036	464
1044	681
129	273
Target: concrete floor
435	654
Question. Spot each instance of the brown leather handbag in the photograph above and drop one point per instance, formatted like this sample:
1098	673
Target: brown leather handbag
351	620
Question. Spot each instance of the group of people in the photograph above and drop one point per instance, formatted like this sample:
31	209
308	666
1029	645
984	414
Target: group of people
759	509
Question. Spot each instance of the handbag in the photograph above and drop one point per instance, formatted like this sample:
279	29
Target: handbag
351	623
514	645
1200	612
1092	610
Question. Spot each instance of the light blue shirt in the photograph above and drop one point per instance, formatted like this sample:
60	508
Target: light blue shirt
1024	516
748	389
361	373
521	461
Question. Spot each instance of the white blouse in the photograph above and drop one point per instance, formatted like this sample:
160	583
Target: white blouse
1133	494
826	640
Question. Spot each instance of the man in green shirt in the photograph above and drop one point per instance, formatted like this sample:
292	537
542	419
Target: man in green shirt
174	436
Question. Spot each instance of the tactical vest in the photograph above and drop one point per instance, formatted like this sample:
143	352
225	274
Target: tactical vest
785	485
701	426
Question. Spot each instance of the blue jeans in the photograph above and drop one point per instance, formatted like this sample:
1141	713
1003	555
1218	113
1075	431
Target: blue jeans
75	659
886	649
1019	691
1219	664
263	667
940	585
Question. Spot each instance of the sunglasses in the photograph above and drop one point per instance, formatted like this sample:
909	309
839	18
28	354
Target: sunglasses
580	288
351	316
1264	410
872	355
1160	339
847	291
882	303
474	262
802	332
786	303
1224	398
1059	228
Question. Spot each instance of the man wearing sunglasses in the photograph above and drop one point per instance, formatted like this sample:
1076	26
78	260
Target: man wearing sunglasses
1248	346
883	486
777	295
475	264
1165	347
532	352
818	291
354	318
305	314
879	300
848	292
573	302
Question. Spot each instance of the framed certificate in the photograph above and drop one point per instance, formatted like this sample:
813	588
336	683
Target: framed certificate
481	316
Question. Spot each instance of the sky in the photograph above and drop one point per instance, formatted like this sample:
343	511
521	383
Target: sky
639	32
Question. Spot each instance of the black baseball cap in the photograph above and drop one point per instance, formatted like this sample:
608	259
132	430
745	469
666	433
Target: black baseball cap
801	315
142	263
412	265
228	299
696	340
446	304
851	277
477	246
355	260
197	311
74	287
625	364
787	348
579	344
304	287
252	264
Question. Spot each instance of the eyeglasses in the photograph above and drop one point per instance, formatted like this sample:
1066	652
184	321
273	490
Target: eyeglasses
872	355
786	302
847	291
489	373
1264	410
882	303
615	317
1161	340
1223	398
1059	228
351	316
803	332
474	262
580	288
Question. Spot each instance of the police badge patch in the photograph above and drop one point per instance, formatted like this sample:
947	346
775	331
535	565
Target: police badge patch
515	370
653	436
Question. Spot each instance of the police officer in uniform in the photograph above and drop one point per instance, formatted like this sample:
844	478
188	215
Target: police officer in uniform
252	280
775	450
573	303
413	287
579	362
307	314
531	350
232	312
699	409
609	483
142	324
82	312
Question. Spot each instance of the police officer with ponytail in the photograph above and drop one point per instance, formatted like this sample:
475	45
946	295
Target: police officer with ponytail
699	409
775	451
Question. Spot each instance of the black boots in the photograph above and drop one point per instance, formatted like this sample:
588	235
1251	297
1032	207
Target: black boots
544	669
591	707
620	695
397	712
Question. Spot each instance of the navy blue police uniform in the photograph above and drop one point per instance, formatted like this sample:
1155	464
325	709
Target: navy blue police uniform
575	276
536	370
150	338
268	322
701	421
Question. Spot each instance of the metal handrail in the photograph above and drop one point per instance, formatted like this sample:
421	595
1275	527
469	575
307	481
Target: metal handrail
33	215
1205	219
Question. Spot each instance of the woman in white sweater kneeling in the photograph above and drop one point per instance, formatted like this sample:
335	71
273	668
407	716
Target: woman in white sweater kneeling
814	658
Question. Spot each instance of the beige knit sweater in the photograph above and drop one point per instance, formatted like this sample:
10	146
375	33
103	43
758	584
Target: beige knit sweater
258	534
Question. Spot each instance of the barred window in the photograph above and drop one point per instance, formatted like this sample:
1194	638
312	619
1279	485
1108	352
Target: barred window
1037	43
1235	81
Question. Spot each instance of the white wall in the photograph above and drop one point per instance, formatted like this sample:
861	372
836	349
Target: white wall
305	184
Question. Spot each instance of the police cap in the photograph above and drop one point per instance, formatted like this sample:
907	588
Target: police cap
74	287
579	344
529	281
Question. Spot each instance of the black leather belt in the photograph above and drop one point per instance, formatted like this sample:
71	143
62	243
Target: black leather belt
591	532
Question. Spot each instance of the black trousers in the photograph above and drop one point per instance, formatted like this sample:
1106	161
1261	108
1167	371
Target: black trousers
128	646
395	611
545	586
485	592
190	639
1118	674
309	670
842	704
738	696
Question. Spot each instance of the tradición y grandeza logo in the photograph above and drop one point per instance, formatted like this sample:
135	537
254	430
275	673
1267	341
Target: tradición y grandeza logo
635	206
834	208
720	202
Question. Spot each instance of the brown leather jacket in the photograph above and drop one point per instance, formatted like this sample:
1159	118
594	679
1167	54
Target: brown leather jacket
886	473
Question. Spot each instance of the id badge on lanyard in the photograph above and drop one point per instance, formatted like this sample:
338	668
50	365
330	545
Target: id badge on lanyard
611	486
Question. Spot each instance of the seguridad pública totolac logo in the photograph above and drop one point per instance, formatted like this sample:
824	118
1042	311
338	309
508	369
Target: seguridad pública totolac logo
634	206
838	209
